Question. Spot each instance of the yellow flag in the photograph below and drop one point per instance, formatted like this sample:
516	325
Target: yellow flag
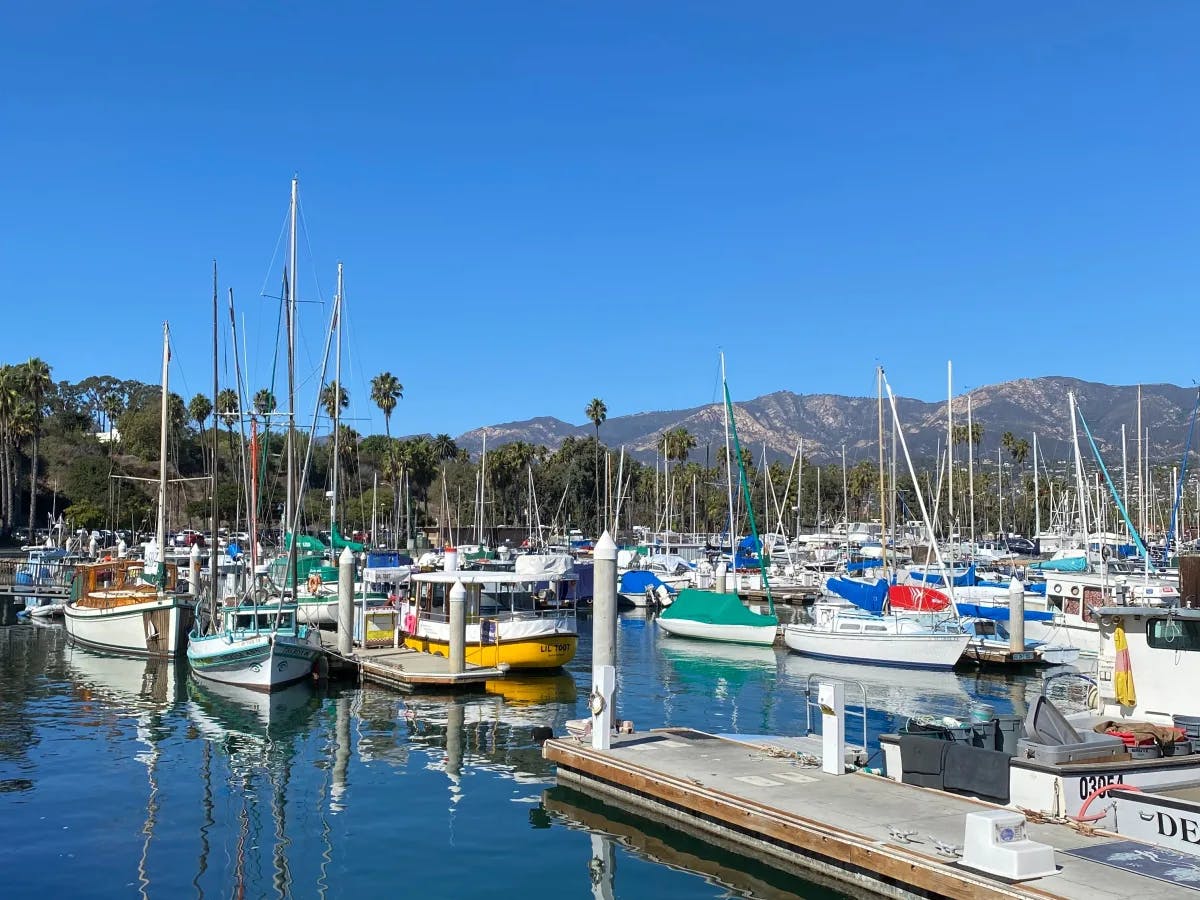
1123	671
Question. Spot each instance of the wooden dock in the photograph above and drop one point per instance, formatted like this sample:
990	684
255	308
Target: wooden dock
787	596
863	831
404	669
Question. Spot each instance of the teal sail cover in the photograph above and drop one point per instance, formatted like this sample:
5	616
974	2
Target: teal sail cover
714	609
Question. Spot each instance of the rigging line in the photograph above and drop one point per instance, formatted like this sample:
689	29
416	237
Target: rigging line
1137	538
1187	450
275	254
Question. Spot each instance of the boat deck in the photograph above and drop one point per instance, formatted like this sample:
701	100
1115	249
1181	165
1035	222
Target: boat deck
841	827
405	669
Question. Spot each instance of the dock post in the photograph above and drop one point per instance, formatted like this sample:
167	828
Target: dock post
1016	616
458	628
193	569
346	603
600	705
604	610
831	697
719	584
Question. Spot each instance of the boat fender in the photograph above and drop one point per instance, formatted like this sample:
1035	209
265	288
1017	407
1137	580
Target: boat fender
314	583
596	703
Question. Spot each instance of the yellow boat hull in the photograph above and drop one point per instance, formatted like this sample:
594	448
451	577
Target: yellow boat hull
548	652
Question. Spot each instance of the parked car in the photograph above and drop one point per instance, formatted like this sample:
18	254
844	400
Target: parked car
1021	546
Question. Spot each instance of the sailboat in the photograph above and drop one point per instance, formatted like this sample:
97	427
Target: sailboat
859	630
713	616
258	642
132	606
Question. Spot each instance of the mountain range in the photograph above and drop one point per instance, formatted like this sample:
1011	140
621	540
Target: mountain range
828	422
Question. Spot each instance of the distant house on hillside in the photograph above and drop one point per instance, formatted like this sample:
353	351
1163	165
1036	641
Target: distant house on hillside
112	436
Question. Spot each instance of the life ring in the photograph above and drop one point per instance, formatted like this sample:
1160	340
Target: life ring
314	583
1074	590
1058	589
596	703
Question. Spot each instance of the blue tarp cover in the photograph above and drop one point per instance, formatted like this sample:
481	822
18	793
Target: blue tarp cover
636	581
965	579
1000	613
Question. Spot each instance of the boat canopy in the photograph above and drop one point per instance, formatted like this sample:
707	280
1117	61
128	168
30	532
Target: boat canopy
1066	564
869	596
713	608
963	579
543	565
1000	613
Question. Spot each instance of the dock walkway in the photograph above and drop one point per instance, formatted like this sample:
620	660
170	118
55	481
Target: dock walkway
405	669
839	827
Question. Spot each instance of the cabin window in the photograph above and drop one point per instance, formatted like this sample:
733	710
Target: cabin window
876	628
848	627
1173	634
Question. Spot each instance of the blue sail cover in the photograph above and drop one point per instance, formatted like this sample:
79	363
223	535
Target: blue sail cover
965	579
635	581
864	595
1000	613
865	564
1066	564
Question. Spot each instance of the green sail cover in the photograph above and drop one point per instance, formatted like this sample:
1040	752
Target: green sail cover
713	608
340	543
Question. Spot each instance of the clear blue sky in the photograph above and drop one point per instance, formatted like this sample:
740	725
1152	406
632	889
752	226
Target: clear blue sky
541	203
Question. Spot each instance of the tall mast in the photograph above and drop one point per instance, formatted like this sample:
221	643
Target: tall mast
161	532
291	361
882	480
971	469
1124	475
212	553
1037	494
337	402
1141	484
729	475
950	445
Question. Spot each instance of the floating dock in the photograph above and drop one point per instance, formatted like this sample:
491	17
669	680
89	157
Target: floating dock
404	669
865	832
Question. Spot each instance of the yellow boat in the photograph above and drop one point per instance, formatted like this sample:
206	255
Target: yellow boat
505	626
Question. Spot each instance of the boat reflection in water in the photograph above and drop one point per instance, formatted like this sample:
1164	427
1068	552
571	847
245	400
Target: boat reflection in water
737	678
654	841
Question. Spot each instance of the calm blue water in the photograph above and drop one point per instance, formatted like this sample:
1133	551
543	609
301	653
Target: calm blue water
120	777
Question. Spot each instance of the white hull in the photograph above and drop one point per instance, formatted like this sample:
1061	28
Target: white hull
155	628
47	610
913	651
318	612
258	662
763	635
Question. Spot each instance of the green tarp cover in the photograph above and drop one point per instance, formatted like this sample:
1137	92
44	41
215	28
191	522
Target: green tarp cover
713	608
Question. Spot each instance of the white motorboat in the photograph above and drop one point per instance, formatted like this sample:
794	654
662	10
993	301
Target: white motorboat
259	646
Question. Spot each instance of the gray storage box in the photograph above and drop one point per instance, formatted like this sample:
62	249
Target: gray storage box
1052	740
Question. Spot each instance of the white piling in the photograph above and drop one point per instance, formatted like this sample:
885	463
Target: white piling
600	705
193	569
458	628
345	633
719	584
1016	616
450	560
604	609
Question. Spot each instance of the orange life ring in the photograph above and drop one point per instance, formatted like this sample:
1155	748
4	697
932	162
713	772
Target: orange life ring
314	583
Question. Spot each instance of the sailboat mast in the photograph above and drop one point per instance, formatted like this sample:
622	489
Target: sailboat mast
729	475
161	531
971	469
950	446
290	506
1037	494
216	514
337	403
1141	483
883	540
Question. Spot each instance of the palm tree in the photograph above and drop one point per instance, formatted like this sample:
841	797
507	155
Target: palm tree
36	384
597	412
9	404
334	399
228	409
199	409
265	403
445	447
385	391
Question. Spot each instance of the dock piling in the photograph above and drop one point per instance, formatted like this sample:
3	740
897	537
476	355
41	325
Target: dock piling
458	628
719	584
1016	616
831	697
346	603
604	611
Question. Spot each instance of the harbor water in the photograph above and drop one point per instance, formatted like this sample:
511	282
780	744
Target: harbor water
122	777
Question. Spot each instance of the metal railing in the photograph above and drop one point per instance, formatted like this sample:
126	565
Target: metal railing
20	576
810	700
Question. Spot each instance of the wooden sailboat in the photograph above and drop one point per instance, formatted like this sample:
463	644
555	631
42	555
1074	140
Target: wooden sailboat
133	606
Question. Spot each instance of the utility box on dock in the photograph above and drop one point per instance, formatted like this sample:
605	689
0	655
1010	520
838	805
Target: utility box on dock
381	625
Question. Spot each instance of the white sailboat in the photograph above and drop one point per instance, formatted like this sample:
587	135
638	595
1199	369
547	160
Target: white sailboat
131	606
259	643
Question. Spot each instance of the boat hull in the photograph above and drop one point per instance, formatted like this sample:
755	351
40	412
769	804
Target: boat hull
156	628
542	652
761	635
910	651
260	663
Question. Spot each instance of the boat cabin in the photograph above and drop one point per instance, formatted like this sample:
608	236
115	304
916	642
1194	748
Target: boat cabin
489	594
117	582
